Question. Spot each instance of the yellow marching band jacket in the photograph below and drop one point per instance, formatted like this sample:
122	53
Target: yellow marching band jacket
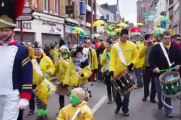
63	69
133	53
66	73
68	112
93	59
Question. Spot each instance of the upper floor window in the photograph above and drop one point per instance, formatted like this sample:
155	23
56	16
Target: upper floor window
107	16
45	5
56	6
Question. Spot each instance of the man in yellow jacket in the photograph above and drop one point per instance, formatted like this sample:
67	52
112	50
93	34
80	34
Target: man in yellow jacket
118	65
53	52
78	109
139	65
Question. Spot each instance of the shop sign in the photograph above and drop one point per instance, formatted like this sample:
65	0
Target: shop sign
27	14
48	23
53	29
26	25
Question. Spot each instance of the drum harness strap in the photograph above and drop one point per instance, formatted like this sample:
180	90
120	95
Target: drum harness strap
165	54
170	64
120	53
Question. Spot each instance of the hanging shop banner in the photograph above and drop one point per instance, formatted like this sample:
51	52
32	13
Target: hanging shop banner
82	8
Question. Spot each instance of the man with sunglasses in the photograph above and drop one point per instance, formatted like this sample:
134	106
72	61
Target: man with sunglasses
15	65
159	61
177	41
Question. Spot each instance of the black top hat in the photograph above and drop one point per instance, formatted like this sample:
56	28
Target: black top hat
36	45
10	10
78	49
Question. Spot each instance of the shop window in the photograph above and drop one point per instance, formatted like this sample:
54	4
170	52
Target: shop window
56	6
45	5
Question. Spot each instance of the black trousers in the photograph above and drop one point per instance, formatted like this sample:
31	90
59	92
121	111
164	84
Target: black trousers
99	73
147	78
109	86
20	116
32	100
61	101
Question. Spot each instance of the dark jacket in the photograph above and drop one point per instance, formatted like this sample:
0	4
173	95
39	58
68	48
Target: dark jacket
158	59
22	71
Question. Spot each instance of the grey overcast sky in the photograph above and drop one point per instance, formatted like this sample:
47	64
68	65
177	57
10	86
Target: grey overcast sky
128	8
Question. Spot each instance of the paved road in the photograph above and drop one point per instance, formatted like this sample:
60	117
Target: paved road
138	110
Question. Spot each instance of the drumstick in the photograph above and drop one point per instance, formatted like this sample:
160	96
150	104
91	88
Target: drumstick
165	70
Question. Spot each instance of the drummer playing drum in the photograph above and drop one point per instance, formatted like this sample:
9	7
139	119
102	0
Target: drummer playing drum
164	55
123	56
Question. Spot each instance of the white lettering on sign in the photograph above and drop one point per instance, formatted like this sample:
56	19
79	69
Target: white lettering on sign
26	25
48	23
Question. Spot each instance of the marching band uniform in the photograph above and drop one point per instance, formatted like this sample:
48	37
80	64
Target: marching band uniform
118	65
82	69
82	66
91	54
53	52
159	62
15	66
78	109
65	71
43	68
139	66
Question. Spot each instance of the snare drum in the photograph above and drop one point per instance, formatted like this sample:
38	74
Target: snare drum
123	83
170	83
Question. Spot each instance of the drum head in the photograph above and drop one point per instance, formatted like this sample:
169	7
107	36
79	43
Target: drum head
169	77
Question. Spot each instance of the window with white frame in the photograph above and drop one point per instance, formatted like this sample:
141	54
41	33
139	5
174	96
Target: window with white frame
56	6
45	5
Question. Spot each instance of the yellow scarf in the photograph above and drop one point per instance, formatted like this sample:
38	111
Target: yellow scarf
168	46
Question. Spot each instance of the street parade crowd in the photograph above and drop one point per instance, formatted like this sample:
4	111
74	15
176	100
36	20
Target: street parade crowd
124	61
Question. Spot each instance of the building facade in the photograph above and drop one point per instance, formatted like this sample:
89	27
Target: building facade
145	14
47	26
172	10
175	24
53	19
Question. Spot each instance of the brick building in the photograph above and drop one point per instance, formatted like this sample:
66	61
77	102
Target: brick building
52	22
